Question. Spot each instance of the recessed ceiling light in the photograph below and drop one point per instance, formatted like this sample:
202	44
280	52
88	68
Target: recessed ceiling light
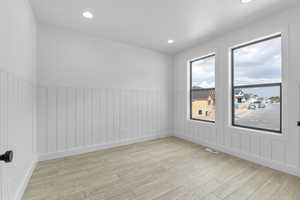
88	15
246	1
171	41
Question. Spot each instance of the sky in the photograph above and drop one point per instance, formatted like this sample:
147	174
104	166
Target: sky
255	64
259	63
203	72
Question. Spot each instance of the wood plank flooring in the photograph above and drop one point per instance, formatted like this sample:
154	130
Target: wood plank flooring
164	169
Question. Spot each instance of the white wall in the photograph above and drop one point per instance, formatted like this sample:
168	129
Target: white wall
17	95
68	58
277	151
95	93
18	39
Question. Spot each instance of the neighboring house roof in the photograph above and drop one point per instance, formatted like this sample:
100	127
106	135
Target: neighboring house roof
203	94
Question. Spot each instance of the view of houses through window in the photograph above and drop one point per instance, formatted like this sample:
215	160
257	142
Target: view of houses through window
256	86
203	98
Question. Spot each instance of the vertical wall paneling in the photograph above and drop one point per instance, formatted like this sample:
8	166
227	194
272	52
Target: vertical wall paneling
74	120
3	130
280	151
17	132
52	120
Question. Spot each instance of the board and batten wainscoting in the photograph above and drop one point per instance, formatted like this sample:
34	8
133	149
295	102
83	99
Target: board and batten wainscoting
18	132
275	150
79	120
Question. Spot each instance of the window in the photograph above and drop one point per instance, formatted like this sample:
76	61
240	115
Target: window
202	89
256	85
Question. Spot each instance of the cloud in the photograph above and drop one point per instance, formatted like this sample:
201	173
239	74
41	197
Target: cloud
255	64
204	84
203	72
258	63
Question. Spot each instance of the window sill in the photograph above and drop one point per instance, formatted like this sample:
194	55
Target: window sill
256	131
201	122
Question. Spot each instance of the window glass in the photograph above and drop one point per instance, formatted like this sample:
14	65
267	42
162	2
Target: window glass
203	89
257	85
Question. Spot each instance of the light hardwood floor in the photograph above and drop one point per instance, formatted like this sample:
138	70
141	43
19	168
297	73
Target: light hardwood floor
164	169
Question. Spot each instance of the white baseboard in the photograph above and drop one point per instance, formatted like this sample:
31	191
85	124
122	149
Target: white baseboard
255	159
97	147
26	179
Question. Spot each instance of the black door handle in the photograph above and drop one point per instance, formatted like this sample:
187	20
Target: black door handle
298	123
7	157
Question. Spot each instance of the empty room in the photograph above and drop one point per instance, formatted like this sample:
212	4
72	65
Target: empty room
149	100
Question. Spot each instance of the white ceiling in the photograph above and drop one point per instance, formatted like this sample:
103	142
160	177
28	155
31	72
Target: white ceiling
150	23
